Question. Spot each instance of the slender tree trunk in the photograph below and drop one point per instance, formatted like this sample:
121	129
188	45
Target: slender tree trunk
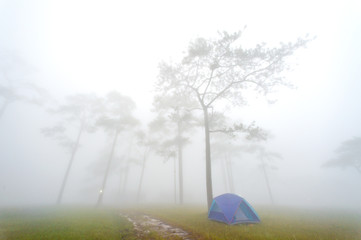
175	180
180	163
208	159
101	193
267	181
74	150
142	174
127	167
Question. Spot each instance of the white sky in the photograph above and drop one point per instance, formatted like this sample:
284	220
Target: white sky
98	46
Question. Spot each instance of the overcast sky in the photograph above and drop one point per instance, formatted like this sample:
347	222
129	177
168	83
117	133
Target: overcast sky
98	46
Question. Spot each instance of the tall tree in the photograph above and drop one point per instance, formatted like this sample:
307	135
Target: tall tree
226	150
125	169
175	120
266	157
225	143
118	117
348	154
147	142
81	111
218	71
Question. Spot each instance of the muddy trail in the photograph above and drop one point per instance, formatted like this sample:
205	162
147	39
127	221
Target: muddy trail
145	225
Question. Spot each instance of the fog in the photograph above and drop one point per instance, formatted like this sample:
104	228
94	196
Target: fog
50	50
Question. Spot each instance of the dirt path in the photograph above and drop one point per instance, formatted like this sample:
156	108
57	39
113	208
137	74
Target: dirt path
144	224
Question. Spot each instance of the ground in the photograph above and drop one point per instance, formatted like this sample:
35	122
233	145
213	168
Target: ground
174	222
145	225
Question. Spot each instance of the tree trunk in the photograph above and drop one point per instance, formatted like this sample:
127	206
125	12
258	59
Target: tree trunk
208	159
142	174
126	171
75	149
267	181
101	193
180	163
175	180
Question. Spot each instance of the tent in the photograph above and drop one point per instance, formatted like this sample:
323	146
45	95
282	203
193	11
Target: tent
232	209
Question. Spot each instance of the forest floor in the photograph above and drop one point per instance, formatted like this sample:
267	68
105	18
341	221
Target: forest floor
64	223
276	223
175	222
145	225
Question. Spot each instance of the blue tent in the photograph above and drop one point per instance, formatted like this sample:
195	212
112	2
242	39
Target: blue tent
232	209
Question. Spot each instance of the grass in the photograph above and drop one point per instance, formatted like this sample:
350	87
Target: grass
59	224
72	223
275	224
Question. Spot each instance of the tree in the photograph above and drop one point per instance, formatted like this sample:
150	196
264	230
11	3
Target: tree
225	146
174	120
225	150
348	154
146	143
81	110
264	155
166	144
117	117
219	71
125	170
16	86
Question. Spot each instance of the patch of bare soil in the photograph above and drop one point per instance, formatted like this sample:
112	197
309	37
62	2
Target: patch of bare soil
144	224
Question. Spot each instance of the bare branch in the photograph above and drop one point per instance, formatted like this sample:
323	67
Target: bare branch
244	79
209	82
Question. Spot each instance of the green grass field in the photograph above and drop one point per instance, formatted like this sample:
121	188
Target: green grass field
275	224
70	223
73	223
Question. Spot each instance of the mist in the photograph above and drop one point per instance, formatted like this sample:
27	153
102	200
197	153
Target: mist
52	50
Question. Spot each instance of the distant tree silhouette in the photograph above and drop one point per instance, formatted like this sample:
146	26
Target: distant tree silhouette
266	157
147	142
348	154
226	150
16	85
117	117
80	112
174	122
230	141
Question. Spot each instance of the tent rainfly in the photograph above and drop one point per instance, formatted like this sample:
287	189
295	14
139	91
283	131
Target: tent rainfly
232	209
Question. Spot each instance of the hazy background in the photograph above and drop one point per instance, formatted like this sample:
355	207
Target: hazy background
78	46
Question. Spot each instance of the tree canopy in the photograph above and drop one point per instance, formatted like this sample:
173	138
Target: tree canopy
216	72
348	154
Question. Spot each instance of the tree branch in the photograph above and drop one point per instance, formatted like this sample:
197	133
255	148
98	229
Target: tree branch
222	92
244	79
261	69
